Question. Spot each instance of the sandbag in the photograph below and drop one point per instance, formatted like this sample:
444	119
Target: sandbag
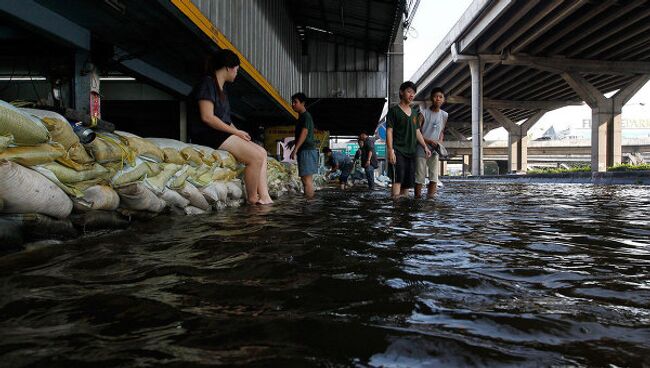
78	153
235	190
107	149
25	129
192	156
206	154
133	174
67	175
191	210
179	179
58	126
6	141
142	147
101	197
33	155
157	183
137	197
223	174
173	156
26	191
195	197
174	199
227	159
215	192
168	143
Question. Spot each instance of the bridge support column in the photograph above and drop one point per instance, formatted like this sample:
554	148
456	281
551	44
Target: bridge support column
606	129
476	68
443	168
467	164
517	139
396	66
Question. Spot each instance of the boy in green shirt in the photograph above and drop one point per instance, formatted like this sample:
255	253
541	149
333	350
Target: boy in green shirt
305	150
402	138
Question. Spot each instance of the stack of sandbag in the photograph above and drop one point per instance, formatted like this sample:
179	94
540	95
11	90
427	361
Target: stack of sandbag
282	178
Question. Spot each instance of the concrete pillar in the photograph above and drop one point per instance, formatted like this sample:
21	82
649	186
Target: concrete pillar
615	135
182	108
467	164
396	66
517	151
443	168
600	118
476	68
82	79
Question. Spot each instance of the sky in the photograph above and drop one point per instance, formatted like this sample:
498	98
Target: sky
432	21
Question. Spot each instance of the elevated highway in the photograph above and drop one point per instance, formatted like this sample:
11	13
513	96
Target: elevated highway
507	62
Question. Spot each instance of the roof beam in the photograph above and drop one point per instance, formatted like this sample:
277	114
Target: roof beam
509	104
562	65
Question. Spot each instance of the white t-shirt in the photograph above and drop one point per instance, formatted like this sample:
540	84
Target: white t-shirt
432	126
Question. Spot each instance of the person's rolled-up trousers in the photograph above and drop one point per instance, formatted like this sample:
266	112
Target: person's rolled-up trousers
370	176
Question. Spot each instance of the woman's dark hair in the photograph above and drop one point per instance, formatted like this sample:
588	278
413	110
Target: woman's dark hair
326	150
222	58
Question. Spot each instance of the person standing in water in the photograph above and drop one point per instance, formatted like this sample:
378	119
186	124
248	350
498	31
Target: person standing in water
304	150
368	157
217	130
338	161
432	125
402	138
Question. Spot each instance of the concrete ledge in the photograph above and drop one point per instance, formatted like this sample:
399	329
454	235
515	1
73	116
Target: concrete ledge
640	177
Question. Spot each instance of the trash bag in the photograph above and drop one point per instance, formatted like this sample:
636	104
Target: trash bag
26	191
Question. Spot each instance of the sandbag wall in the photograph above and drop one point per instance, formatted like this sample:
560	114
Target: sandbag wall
46	171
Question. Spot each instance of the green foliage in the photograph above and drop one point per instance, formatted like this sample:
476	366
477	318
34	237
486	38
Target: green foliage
561	170
629	167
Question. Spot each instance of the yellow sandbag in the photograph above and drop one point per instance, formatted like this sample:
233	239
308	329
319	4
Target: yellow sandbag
173	156
67	175
61	131
179	179
192	156
223	174
78	153
133	174
26	191
33	155
144	148
206	154
25	129
157	183
227	159
200	176
106	149
6	141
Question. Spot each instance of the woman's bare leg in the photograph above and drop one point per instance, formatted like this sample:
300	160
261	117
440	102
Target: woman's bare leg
247	153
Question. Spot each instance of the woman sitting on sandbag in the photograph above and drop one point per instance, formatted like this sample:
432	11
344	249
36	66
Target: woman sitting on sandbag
217	129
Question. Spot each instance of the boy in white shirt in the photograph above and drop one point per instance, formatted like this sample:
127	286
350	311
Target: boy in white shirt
432	126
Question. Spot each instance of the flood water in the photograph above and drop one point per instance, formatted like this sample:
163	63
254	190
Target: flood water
488	274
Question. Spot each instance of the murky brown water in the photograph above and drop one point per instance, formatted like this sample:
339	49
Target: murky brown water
486	275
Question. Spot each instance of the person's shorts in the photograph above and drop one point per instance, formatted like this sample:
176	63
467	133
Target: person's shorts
307	162
403	172
426	167
345	173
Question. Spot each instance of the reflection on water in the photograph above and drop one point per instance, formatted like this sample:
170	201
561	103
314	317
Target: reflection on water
485	275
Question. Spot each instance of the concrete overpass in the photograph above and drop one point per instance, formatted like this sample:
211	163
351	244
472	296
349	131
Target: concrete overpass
507	62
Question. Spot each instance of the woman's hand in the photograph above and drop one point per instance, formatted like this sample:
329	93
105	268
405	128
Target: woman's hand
391	157
243	135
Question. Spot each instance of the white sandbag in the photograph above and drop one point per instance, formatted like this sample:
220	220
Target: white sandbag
195	197
168	143
235	190
191	210
25	191
137	197
215	192
26	129
174	199
101	197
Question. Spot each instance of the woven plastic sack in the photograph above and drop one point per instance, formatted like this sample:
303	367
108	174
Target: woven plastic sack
143	147
195	197
168	143
235	190
137	197
174	199
101	197
227	159
157	183
192	156
215	192
173	156
58	126
25	191
67	175
141	171
25	129
33	155
6	141
105	148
